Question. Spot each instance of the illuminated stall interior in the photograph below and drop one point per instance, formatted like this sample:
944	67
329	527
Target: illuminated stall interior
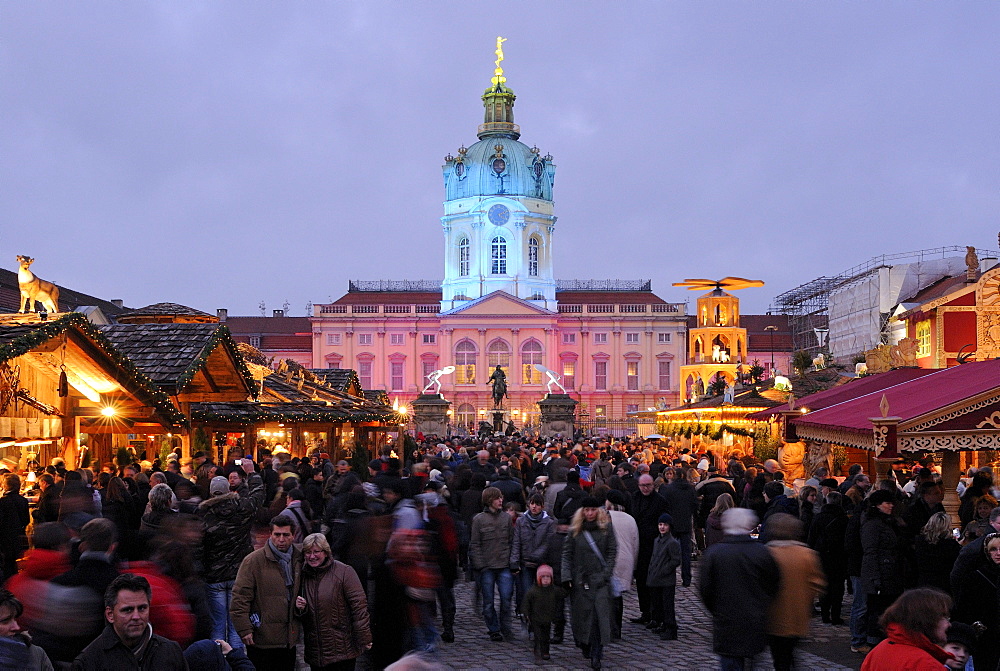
67	391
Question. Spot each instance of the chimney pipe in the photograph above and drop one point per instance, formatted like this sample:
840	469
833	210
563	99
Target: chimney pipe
279	313
118	302
222	314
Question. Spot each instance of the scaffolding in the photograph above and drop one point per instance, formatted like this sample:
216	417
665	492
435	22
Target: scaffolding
808	305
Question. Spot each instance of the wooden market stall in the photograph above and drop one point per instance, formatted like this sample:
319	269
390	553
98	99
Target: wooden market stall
64	386
944	412
192	362
299	411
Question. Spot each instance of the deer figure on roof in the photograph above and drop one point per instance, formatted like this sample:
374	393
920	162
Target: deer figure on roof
35	288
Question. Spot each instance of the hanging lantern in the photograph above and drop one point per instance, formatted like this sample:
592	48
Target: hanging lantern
63	383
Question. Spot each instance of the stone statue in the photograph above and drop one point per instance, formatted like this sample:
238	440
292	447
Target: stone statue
498	380
971	264
34	288
434	379
553	378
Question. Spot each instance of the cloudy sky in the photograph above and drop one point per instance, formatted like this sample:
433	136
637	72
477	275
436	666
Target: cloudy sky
220	154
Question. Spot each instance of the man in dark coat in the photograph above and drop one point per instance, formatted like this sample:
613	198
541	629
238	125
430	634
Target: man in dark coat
826	537
128	641
14	518
647	506
738	580
710	490
510	487
969	561
682	503
568	500
778	502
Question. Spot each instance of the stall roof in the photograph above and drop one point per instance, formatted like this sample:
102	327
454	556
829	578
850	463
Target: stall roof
845	392
342	379
912	400
173	354
23	339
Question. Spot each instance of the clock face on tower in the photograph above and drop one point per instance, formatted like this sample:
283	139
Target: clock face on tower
499	215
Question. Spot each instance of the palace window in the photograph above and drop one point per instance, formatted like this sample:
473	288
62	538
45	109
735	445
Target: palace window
632	407
428	367
430	338
533	257
631	338
365	374
498	254
601	375
463	257
531	353
499	354
569	374
364	338
663	375
569	338
397	338
632	375
923	333
466	416
332	338
465	362
600	338
255	341
663	338
396	375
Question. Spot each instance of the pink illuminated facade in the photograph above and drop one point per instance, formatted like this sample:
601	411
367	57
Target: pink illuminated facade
616	350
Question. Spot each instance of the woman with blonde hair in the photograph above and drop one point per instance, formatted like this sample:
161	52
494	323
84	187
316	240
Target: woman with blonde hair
935	552
980	524
713	526
333	608
588	562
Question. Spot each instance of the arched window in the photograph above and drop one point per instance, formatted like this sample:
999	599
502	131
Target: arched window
531	353
463	257
533	257
499	354
466	417
498	254
465	362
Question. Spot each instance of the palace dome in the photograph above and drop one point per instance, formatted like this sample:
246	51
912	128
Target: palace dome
498	165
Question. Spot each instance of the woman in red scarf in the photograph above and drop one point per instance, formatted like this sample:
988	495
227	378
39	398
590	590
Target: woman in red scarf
916	625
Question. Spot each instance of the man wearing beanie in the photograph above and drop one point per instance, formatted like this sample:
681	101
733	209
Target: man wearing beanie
662	580
228	518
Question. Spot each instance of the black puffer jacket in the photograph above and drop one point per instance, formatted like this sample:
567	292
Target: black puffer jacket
228	519
881	568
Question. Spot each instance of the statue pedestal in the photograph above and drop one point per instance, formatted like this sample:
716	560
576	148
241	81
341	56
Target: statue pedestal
430	414
558	412
498	421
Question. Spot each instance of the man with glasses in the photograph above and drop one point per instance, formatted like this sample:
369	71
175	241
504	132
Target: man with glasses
647	506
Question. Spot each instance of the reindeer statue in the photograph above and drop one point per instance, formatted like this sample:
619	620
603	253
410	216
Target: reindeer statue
35	288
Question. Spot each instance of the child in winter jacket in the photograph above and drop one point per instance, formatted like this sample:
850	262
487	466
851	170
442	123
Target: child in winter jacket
662	580
542	604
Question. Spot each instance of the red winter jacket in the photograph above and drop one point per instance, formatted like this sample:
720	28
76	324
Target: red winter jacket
169	612
37	568
905	651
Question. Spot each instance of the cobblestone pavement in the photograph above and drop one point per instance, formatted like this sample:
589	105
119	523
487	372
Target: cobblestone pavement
472	649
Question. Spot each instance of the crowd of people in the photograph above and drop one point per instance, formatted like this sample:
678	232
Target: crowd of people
241	565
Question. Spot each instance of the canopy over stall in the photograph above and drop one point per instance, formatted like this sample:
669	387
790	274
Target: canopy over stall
944	411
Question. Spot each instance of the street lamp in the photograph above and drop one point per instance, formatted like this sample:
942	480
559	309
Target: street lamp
772	329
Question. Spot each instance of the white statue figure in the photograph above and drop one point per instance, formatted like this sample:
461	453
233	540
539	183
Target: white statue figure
782	383
553	378
730	392
819	362
434	379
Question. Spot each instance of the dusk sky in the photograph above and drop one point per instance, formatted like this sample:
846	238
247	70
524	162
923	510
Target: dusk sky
220	154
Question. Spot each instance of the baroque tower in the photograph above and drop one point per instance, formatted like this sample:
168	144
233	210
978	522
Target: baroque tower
498	211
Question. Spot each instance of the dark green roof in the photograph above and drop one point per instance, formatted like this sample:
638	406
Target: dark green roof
338	378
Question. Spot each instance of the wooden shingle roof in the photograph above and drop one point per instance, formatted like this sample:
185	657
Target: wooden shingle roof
173	354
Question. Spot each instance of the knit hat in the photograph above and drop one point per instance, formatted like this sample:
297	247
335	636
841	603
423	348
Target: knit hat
590	502
205	656
543	570
963	634
218	486
665	518
829	482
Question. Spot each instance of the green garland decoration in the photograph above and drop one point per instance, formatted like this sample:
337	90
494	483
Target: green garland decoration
41	334
715	433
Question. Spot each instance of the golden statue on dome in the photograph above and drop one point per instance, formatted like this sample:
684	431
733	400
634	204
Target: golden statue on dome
498	77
